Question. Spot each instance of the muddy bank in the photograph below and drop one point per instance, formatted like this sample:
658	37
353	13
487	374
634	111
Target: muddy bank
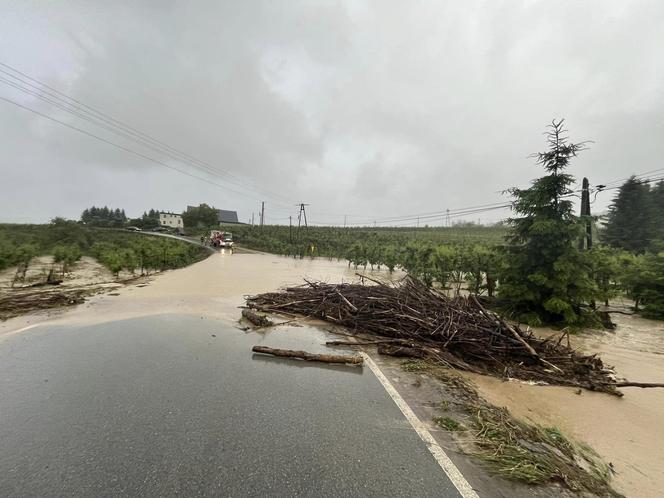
627	432
46	288
84	272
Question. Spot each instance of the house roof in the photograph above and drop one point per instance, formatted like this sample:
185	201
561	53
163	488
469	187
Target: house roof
227	216
223	215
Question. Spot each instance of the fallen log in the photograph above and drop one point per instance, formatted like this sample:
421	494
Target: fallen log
303	355
256	319
361	343
638	384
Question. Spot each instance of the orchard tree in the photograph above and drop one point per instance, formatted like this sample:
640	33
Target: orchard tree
545	278
66	256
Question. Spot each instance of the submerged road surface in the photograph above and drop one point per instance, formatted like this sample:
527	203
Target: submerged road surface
169	405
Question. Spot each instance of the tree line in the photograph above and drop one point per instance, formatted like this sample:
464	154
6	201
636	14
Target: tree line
201	216
636	216
536	270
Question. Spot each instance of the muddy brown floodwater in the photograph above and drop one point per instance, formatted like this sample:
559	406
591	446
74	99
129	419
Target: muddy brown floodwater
626	431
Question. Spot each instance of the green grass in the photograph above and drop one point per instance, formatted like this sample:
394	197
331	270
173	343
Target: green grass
415	366
447	423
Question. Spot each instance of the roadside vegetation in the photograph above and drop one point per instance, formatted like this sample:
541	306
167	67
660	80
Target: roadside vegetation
511	448
67	241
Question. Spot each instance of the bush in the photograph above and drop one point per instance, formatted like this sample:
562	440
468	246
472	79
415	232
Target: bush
117	250
643	280
66	255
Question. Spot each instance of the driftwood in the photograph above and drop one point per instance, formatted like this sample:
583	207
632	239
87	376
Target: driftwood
638	384
47	282
256	319
424	323
303	355
26	300
361	343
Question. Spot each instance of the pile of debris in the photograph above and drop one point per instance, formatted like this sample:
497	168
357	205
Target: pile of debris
412	320
20	301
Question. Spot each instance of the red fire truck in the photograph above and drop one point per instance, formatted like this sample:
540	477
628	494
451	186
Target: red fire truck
221	239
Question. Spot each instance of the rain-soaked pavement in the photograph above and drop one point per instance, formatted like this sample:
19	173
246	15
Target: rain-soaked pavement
165	405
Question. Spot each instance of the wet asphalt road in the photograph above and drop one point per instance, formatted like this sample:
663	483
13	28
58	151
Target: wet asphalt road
157	406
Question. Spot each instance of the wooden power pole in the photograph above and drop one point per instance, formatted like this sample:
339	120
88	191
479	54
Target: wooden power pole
262	213
587	241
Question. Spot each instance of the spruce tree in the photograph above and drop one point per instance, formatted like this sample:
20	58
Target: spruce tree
657	193
630	224
546	278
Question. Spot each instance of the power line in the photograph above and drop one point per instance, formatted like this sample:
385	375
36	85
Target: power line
99	115
457	214
122	147
101	119
427	215
125	135
639	175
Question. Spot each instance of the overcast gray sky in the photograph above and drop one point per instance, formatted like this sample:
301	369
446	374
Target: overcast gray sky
371	109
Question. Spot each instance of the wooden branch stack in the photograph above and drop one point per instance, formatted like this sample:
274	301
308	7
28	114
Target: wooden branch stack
412	320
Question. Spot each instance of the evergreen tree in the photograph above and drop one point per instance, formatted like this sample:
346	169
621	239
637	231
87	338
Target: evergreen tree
545	277
201	216
630	223
657	210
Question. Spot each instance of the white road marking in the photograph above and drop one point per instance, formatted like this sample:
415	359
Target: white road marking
18	331
464	488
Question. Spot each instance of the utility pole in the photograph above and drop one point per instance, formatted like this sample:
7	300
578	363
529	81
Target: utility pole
447	217
252	219
345	220
290	229
262	213
300	215
587	241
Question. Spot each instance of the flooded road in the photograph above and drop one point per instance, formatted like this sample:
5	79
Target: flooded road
174	405
155	392
628	431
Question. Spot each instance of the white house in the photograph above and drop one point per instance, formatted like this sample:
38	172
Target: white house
171	220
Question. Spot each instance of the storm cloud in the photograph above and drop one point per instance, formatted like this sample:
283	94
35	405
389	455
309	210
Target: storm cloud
364	109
